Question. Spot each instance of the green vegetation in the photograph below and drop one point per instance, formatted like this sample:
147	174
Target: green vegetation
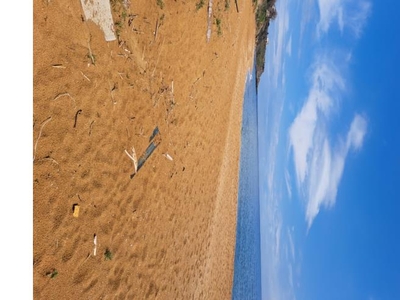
118	28
227	4
119	14
108	255
265	12
199	4
219	29
160	3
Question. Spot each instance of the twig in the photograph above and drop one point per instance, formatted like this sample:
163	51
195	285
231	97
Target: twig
90	51
59	66
76	116
40	133
156	31
144	49
89	255
50	159
90	128
133	158
87	78
63	95
111	92
172	92
237	7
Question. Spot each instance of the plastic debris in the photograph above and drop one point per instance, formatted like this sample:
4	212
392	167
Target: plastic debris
155	140
99	11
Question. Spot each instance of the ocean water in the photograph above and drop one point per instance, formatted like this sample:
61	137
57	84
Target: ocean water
247	265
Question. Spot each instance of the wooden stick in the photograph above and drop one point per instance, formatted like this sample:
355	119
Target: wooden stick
156	31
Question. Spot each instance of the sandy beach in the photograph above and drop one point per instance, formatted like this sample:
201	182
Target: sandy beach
170	230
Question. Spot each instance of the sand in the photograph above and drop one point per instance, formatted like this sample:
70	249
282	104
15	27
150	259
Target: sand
171	228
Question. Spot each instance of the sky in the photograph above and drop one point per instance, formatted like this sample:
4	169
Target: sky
329	148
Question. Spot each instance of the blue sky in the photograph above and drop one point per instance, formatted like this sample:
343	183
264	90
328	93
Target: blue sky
330	151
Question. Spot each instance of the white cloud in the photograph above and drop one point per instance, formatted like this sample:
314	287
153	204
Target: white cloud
326	83
329	10
346	13
319	165
356	133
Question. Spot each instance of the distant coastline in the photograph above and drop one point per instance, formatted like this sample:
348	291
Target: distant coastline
265	11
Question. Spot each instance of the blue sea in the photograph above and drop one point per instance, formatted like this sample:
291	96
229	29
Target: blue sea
247	265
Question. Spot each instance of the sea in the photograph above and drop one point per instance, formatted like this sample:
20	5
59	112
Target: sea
247	264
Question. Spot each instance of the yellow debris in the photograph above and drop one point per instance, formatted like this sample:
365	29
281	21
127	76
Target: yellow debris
76	210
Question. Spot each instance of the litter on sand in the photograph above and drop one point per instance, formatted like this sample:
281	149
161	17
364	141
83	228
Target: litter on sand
95	245
133	157
155	140
76	210
169	157
99	12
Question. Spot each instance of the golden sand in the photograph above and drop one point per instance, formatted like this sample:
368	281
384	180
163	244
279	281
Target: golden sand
170	230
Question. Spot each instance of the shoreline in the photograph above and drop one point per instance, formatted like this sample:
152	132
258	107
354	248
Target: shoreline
171	229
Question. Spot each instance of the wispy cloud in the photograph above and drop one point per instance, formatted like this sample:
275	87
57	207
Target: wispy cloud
318	163
289	46
291	244
357	17
344	13
280	41
288	184
327	164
